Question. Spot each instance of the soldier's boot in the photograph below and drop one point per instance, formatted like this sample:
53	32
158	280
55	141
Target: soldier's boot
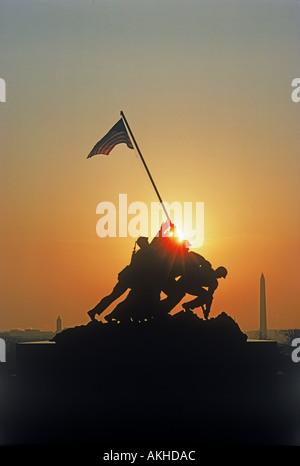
186	307
205	313
92	313
108	318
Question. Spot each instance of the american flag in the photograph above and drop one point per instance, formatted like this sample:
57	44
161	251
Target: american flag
116	135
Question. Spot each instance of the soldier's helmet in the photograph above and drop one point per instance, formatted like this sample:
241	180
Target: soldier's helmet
142	241
221	272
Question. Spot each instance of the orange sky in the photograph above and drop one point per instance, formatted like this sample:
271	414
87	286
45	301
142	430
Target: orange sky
207	92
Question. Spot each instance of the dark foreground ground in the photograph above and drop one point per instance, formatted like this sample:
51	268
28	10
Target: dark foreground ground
178	384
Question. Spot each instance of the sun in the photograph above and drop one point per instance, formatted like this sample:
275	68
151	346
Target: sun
180	235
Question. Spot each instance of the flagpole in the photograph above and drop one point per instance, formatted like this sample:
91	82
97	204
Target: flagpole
145	166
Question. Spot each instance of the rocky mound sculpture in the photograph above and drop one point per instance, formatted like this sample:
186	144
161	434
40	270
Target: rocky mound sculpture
181	349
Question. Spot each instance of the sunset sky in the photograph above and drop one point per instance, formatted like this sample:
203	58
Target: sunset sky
206	88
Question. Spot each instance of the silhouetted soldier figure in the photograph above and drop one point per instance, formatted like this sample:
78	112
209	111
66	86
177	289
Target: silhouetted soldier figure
156	272
186	267
141	303
126	278
205	277
173	253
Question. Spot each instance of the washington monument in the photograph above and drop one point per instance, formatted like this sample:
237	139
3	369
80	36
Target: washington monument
263	315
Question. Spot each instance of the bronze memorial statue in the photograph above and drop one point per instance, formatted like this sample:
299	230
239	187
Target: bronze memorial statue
164	265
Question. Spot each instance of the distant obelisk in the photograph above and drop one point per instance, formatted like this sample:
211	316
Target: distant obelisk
58	324
263	314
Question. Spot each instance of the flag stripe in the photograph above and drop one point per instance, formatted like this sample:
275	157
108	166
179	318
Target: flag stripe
116	135
113	140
